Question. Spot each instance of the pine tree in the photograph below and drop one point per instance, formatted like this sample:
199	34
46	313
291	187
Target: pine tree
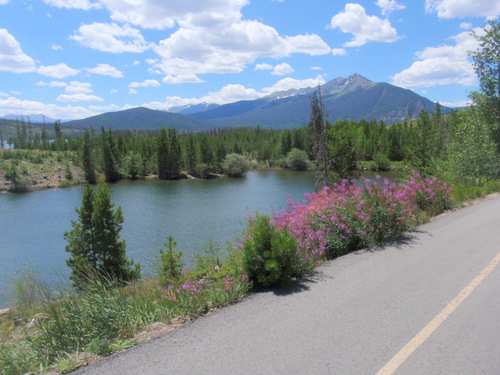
109	156
174	155
88	158
162	153
94	242
318	128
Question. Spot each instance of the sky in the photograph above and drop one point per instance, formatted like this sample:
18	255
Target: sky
71	59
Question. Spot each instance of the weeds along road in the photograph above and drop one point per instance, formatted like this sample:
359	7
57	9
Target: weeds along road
434	297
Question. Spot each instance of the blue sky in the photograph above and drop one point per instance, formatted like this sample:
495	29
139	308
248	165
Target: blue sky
73	59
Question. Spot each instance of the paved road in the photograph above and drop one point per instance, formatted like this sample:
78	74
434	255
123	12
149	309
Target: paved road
355	316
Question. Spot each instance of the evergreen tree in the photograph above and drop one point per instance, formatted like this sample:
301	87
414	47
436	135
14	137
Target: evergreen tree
422	145
318	128
88	158
109	158
162	153
191	155
174	155
94	242
341	146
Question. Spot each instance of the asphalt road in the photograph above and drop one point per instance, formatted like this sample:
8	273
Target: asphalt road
356	314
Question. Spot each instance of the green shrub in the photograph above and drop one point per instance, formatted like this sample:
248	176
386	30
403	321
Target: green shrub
297	160
235	165
382	161
271	257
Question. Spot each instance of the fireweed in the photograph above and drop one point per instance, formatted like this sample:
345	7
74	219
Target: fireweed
354	214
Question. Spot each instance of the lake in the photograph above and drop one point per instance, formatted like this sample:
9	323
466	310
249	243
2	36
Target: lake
192	211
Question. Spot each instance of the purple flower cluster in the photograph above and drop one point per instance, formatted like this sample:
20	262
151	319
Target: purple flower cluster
354	214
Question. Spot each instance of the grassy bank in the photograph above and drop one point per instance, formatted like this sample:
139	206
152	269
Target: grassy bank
26	170
61	328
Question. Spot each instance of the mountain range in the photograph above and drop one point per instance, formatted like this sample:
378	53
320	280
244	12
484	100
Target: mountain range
351	98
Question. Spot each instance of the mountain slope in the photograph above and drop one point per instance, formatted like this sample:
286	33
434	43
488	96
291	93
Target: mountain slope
140	118
353	98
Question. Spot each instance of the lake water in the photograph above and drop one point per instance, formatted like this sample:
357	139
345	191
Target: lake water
192	211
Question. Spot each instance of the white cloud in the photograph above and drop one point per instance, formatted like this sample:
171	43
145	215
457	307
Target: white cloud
15	92
316	68
52	84
14	105
228	94
466	25
463	8
389	6
72	4
3	94
461	103
339	52
113	91
183	78
111	38
55	47
442	65
76	87
211	37
146	83
12	58
136	62
282	69
263	66
57	71
291	83
105	70
103	108
161	14
3	2
79	98
231	93
235	92
365	28
132	91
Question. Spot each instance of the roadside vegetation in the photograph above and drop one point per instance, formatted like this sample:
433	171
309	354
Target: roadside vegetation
446	161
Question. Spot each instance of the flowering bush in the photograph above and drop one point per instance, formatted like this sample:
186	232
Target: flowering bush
352	214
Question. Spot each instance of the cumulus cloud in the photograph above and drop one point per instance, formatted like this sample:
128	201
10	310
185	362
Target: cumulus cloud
132	91
57	71
76	87
339	52
461	103
111	38
106	70
442	65
12	105
146	83
55	47
365	28
52	84
103	108
291	83
181	78
161	14
282	69
72	4
463	8
81	97
210	37
263	66
12	58
389	6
